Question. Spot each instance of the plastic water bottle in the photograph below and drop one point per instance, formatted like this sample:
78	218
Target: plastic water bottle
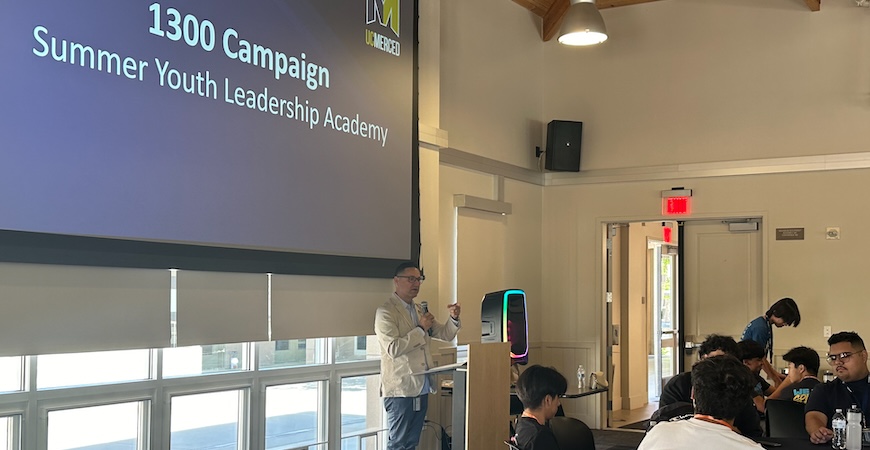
853	428
838	423
581	376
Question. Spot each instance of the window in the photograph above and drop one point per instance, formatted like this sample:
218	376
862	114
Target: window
206	359
293	415
10	432
362	413
11	375
292	353
110	427
211	420
80	369
356	348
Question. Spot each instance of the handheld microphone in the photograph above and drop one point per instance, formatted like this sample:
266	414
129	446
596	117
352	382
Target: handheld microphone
424	305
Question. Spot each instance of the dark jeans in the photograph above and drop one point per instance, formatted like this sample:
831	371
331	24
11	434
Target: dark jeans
405	421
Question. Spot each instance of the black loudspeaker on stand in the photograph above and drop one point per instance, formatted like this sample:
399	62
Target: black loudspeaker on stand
563	146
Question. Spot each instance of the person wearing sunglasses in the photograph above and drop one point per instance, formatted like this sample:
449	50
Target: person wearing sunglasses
848	357
404	330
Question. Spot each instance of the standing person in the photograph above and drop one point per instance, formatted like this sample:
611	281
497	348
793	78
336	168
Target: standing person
784	312
404	332
803	375
678	391
540	389
721	387
851	387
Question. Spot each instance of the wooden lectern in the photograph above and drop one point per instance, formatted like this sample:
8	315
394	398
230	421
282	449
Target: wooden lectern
481	398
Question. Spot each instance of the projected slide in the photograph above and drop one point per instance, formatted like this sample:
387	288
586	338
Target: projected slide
277	125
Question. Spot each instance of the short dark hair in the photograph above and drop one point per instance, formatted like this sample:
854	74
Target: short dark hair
537	382
718	342
749	349
786	309
806	356
406	265
721	386
847	336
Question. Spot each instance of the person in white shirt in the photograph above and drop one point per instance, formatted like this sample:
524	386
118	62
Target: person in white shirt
721	386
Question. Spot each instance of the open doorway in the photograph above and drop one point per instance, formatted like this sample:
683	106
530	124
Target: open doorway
668	292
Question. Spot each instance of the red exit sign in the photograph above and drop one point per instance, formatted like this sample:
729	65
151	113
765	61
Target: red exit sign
676	206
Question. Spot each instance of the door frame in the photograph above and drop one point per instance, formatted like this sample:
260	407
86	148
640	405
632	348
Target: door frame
604	289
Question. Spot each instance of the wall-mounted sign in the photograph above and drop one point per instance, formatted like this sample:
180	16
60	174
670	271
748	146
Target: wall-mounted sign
789	234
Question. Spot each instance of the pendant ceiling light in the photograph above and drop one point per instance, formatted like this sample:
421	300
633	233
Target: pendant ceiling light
582	24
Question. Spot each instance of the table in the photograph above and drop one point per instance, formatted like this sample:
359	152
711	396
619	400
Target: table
516	406
792	444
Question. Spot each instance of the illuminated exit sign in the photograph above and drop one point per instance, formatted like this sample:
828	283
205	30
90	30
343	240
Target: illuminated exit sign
677	202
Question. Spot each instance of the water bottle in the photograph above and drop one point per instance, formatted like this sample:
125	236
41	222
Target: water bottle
581	376
853	428
838	423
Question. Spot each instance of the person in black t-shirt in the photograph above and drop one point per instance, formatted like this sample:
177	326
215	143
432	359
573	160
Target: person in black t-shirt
803	375
752	355
679	388
540	389
848	356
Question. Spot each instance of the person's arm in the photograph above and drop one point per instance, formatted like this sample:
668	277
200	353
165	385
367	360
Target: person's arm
447	331
394	343
774	376
784	386
815	422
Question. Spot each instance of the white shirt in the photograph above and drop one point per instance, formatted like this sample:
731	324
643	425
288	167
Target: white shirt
694	434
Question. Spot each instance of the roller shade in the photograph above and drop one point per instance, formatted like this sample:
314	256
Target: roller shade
309	307
221	307
60	309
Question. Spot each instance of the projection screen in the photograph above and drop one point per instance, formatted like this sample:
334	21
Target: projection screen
264	135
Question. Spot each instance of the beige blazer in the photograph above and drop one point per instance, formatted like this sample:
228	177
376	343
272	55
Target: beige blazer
405	348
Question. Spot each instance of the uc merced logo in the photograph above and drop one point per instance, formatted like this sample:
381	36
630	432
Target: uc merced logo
384	15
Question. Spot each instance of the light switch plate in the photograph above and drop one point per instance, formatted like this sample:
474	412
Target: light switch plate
827	331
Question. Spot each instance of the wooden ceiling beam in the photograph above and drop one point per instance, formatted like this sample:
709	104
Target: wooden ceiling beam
538	7
553	18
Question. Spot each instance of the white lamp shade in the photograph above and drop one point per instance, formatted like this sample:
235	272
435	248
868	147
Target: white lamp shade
582	25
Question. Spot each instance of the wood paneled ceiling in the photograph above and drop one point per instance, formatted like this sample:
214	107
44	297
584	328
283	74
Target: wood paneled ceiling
552	11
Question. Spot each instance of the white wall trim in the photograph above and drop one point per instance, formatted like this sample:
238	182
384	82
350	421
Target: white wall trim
842	161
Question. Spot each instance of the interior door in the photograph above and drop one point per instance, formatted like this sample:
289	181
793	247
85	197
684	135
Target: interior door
664	321
723	289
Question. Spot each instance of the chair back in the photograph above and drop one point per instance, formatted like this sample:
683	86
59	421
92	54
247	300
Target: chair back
572	434
511	445
785	418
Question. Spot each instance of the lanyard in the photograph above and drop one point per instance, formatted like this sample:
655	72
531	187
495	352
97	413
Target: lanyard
862	402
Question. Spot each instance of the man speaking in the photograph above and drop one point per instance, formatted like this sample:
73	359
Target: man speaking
404	331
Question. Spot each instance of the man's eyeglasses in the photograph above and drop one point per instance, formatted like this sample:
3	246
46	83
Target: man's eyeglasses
413	279
839	357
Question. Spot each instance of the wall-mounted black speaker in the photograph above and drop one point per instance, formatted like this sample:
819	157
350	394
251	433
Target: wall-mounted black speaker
563	145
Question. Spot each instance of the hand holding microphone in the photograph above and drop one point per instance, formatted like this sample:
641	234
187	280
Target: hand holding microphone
426	319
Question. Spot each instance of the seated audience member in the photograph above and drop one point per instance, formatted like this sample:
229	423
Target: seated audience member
721	389
784	312
679	388
848	356
803	375
539	388
752	354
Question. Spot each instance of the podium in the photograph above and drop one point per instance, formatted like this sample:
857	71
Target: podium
481	397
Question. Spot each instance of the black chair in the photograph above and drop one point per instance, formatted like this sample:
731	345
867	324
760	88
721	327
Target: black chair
511	445
785	418
572	434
